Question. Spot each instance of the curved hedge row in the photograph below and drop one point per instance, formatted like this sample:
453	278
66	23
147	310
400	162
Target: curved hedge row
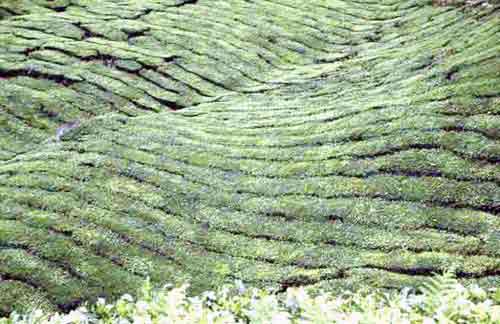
326	144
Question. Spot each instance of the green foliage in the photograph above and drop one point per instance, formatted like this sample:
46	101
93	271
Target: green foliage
335	144
442	300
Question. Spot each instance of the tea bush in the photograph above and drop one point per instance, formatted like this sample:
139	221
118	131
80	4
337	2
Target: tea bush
441	300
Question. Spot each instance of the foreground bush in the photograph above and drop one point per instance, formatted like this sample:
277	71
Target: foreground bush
442	300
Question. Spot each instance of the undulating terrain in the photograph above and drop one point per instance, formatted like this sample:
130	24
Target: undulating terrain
333	144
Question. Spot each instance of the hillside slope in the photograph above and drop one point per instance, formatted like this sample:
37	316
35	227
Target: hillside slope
330	144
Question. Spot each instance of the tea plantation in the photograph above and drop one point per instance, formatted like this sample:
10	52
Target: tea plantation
326	144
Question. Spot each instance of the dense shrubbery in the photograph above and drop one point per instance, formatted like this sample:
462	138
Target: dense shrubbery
332	143
442	300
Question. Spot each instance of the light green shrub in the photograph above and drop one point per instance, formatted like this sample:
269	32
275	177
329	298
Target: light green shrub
441	300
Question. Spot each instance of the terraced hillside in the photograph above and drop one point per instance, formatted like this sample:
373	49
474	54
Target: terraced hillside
327	143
